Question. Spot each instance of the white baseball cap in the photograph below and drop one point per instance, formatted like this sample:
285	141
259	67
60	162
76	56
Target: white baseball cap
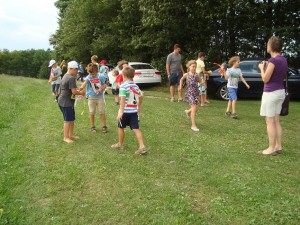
52	61
72	64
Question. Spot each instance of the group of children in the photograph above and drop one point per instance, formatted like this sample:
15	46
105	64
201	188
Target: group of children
93	89
196	86
128	95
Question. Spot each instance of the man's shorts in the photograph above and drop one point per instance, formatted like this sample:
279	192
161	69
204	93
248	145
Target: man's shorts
54	87
96	103
129	119
115	91
232	93
174	78
271	103
68	113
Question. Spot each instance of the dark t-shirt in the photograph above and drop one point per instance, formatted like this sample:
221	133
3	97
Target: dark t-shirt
67	83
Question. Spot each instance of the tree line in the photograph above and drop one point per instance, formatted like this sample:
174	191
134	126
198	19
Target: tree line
146	30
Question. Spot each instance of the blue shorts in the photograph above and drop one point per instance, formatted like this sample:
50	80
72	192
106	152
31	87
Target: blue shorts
174	78
129	119
68	113
232	93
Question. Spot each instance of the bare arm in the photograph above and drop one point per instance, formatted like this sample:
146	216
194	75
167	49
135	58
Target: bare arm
168	69
122	106
77	92
181	67
244	81
266	74
181	80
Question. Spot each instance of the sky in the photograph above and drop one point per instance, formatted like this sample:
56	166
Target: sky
27	24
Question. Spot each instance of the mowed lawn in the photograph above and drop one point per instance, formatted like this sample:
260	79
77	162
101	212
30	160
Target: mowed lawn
211	177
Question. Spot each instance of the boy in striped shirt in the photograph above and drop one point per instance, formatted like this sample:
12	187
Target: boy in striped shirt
130	106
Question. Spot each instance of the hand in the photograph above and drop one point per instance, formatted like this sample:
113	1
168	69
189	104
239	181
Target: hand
120	115
247	85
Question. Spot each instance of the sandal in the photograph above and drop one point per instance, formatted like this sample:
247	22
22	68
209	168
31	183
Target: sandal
117	146
141	151
93	129
104	129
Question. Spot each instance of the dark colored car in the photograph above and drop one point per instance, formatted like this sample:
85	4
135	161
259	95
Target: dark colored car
217	85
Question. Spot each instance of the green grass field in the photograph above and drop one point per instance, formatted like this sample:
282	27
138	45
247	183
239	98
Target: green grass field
211	177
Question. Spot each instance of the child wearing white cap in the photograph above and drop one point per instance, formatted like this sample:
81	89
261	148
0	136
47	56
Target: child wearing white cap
66	100
55	77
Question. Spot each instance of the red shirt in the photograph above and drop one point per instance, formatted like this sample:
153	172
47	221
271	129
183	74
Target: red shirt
119	79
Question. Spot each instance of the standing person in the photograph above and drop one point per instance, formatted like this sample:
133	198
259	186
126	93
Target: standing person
130	108
63	67
174	70
66	100
95	85
233	75
104	71
119	79
94	59
192	95
200	69
273	73
55	77
80	72
114	88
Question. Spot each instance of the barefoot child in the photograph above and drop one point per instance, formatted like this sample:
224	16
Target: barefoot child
95	86
233	75
66	101
130	107
192	95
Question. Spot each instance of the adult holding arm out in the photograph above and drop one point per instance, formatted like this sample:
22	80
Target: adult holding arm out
273	74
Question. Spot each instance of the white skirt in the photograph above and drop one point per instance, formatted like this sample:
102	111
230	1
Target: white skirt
271	103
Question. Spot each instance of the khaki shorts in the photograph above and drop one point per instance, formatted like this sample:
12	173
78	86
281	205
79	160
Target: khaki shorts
94	103
271	103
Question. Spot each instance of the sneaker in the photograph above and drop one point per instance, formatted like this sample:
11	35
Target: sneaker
180	100
104	129
228	114
234	115
172	100
195	129
141	151
187	114
116	103
93	129
117	146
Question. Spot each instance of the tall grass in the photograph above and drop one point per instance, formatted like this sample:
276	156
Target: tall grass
210	177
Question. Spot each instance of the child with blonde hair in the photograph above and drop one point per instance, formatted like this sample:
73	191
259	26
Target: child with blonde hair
233	75
192	95
95	85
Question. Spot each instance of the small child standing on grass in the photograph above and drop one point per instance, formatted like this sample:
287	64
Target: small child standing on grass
233	75
130	107
192	95
114	86
55	77
95	85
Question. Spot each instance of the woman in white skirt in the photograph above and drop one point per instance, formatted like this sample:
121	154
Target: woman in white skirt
273	73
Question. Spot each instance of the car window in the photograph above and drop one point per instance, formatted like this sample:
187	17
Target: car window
141	66
249	67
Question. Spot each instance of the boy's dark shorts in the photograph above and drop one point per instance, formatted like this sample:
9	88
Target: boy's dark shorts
174	78
115	91
129	119
55	87
68	113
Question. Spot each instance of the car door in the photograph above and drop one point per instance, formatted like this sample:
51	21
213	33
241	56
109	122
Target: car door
251	73
294	83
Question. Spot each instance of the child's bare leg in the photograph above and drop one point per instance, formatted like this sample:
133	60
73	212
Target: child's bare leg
116	98
103	119
121	135
139	135
67	132
194	109
228	106
179	93
202	100
92	120
233	106
71	134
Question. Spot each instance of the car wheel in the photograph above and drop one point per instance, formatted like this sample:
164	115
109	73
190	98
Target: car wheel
223	92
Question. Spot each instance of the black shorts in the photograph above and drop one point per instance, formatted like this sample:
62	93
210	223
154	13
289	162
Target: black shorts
115	91
68	113
129	119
